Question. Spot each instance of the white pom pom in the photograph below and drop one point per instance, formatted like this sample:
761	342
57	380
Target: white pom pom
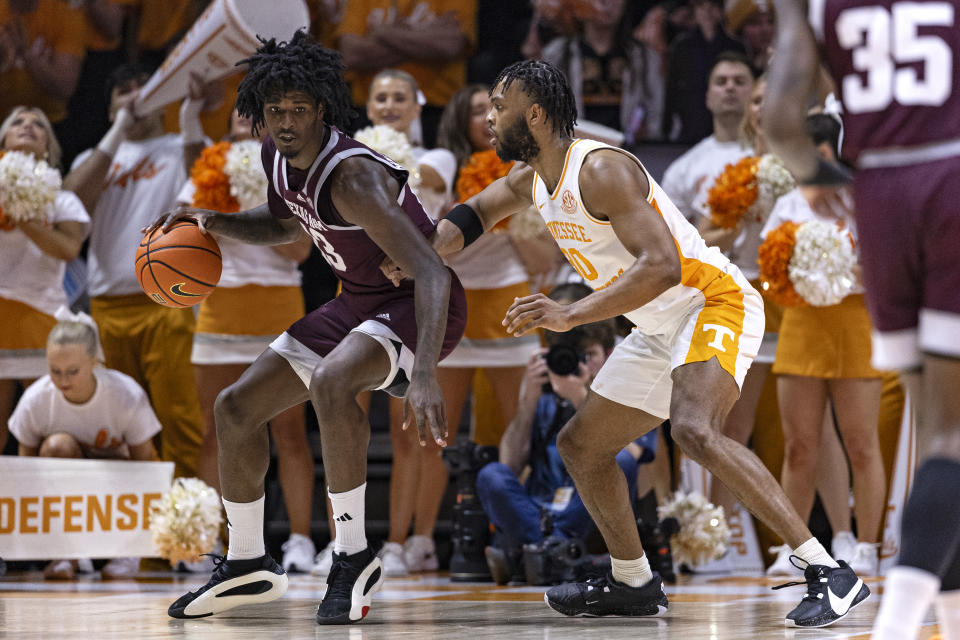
27	187
773	181
248	183
389	142
186	521
822	264
703	533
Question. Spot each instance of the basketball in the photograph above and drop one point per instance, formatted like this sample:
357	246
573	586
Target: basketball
178	268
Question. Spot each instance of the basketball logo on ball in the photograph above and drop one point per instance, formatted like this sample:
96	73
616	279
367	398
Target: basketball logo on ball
178	268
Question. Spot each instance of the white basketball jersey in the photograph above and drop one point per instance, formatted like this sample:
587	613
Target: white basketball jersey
594	250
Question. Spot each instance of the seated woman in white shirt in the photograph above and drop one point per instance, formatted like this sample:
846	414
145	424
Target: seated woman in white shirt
83	410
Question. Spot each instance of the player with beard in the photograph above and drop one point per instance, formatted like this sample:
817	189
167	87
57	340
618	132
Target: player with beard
358	207
699	326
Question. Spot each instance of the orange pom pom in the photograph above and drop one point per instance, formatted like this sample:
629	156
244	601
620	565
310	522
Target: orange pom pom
483	168
211	183
774	260
733	193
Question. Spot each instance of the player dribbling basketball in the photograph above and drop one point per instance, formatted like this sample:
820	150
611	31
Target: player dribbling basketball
358	208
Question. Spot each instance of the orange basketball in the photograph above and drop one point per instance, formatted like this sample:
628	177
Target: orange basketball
178	268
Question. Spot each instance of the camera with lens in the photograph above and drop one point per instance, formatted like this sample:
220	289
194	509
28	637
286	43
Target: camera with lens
655	538
471	526
554	559
564	358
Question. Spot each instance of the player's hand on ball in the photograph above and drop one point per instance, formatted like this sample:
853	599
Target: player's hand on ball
531	312
181	213
423	405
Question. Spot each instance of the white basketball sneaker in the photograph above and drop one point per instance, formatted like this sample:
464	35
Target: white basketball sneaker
394	565
298	553
420	554
843	546
865	561
782	565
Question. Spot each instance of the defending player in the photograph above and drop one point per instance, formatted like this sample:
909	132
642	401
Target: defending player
897	66
358	208
699	325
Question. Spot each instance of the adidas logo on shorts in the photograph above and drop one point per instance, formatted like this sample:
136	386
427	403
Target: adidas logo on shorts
384	316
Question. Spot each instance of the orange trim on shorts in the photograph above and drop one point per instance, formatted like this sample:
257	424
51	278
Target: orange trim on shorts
720	323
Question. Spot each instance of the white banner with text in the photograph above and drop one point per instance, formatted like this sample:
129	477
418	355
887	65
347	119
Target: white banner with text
59	508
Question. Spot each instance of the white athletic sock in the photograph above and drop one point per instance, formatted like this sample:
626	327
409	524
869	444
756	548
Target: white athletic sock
348	518
948	614
908	593
814	553
633	573
245	524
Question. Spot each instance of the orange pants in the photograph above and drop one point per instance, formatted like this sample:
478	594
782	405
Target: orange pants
151	344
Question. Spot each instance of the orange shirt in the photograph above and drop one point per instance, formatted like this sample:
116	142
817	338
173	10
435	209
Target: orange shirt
65	31
325	17
160	21
96	41
438	81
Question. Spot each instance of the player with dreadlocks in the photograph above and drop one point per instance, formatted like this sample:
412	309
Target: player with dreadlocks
699	326
359	209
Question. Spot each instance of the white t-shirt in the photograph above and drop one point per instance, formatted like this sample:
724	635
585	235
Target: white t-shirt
118	414
144	180
793	207
435	203
29	275
245	263
688	178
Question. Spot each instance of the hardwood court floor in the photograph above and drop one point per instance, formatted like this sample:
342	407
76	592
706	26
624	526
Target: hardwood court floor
427	607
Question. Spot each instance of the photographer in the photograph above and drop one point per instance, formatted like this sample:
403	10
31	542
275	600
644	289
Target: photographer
530	476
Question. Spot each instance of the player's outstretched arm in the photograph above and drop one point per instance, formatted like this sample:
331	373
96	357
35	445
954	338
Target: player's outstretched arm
500	199
613	187
365	194
791	81
254	226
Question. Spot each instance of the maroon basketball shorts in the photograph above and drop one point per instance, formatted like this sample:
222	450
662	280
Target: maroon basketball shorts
388	317
908	220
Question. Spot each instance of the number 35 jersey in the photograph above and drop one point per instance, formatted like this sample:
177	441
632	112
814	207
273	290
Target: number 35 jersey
353	255
897	68
593	248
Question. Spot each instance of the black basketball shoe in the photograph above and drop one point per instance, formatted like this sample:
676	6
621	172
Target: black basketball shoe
605	596
832	592
233	583
351	584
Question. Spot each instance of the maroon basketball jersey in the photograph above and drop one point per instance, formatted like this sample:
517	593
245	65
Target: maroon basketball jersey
897	68
352	254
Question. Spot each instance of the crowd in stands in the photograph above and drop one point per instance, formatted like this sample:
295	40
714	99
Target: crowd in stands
687	73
